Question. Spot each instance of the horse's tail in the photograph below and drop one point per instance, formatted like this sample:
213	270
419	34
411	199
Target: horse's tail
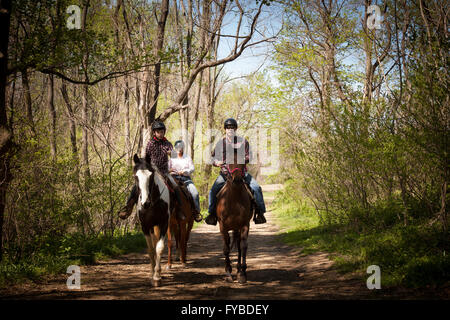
235	239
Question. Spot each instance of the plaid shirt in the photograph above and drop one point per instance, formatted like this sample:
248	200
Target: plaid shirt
156	153
225	150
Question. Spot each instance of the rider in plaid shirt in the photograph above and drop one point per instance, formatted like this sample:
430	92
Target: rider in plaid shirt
156	153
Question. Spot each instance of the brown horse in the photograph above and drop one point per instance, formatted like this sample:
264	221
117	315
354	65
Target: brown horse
153	208
234	212
181	229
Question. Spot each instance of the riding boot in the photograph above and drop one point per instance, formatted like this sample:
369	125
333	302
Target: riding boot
211	219
259	217
197	216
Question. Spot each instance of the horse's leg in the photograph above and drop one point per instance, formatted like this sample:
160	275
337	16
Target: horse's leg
151	253
178	237
183	244
237	240
188	232
226	252
189	228
159	247
242	276
169	248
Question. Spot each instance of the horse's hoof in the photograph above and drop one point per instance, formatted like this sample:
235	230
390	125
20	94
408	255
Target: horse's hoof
156	283
242	279
168	266
229	278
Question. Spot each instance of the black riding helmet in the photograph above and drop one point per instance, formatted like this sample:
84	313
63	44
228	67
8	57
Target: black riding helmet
230	122
157	125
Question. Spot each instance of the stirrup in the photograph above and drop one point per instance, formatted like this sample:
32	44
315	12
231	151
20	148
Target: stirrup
198	216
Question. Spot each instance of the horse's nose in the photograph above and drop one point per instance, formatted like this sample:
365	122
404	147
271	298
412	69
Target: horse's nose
146	204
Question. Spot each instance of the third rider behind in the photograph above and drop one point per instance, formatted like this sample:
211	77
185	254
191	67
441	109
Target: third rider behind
181	167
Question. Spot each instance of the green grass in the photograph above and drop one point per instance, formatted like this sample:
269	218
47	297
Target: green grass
416	255
56	255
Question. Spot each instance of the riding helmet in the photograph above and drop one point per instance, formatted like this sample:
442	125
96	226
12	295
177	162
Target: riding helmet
158	125
230	122
179	145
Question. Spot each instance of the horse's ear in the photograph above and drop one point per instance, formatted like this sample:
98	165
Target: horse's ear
136	159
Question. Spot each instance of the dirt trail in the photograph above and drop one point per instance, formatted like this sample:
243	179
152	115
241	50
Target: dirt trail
275	271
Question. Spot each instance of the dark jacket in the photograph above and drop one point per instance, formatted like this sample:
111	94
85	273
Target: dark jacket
224	151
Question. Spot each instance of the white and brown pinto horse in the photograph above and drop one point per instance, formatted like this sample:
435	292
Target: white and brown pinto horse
153	208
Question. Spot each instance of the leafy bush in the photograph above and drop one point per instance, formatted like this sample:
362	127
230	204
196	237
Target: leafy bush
415	255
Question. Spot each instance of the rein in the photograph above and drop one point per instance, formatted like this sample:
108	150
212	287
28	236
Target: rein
230	172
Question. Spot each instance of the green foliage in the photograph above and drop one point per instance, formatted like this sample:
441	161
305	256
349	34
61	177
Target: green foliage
55	217
413	256
373	165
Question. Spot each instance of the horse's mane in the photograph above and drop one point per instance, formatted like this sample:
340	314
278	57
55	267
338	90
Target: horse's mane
156	170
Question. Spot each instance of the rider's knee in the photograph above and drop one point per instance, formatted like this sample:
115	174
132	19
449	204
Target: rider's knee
193	190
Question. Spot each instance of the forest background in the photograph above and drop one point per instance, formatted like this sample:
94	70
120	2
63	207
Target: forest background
346	103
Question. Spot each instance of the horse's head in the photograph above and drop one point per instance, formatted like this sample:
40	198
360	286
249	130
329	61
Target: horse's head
236	170
142	172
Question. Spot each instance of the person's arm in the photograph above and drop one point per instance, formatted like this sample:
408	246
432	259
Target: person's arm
190	167
214	158
168	147
171	169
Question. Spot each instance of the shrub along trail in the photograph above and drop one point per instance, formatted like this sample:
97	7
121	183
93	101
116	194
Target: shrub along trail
275	271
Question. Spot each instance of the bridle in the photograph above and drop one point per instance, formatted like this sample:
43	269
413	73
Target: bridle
230	172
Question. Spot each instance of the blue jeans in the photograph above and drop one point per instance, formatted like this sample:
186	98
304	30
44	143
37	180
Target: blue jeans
220	182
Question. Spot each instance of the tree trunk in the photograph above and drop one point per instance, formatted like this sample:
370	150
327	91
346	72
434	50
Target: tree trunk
28	102
6	139
127	118
52	111
84	103
154	94
195	116
72	128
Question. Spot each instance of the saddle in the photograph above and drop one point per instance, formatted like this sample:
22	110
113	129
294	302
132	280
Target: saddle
249	191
